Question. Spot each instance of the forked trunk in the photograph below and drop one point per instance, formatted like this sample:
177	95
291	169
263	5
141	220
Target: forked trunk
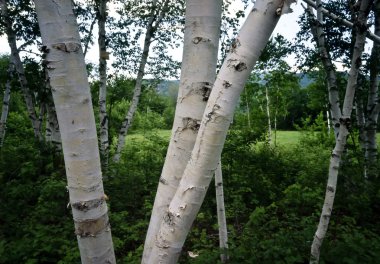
72	99
202	30
344	124
217	117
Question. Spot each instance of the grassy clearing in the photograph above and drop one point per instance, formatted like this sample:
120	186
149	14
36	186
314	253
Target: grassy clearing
283	138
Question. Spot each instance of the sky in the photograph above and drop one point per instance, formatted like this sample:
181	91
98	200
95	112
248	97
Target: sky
287	27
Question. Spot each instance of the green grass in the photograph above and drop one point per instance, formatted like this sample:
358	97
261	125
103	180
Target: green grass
283	138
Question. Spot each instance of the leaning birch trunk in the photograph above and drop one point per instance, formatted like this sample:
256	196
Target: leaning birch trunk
222	223
372	103
198	72
103	56
344	124
5	107
205	156
72	98
332	86
153	24
15	55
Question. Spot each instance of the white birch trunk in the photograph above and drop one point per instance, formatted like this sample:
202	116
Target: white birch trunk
5	107
15	57
103	56
328	122
222	223
373	107
360	120
333	92
151	29
268	115
344	123
217	117
198	72
72	98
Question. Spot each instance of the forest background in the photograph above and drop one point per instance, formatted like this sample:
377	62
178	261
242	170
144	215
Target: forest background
275	160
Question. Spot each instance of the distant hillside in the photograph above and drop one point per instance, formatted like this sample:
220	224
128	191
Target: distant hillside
170	87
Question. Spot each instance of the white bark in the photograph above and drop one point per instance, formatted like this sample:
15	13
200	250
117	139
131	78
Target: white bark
5	107
198	72
72	98
333	92
151	29
372	36
222	223
103	56
15	57
268	115
344	123
373	107
205	156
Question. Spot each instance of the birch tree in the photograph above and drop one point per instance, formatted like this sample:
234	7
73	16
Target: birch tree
103	57
156	16
344	124
329	68
20	71
199	59
5	106
72	98
237	66
221	212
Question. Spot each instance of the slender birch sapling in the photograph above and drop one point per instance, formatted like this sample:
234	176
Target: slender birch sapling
344	124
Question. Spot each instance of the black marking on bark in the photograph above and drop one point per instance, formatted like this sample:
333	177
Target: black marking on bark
85	206
226	84
189	123
346	121
235	44
104	121
197	40
220	184
330	188
237	65
91	228
72	122
213	112
168	218
86	101
206	91
163	181
67	47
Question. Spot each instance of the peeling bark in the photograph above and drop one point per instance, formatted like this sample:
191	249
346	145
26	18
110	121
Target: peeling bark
212	133
344	123
72	99
198	73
